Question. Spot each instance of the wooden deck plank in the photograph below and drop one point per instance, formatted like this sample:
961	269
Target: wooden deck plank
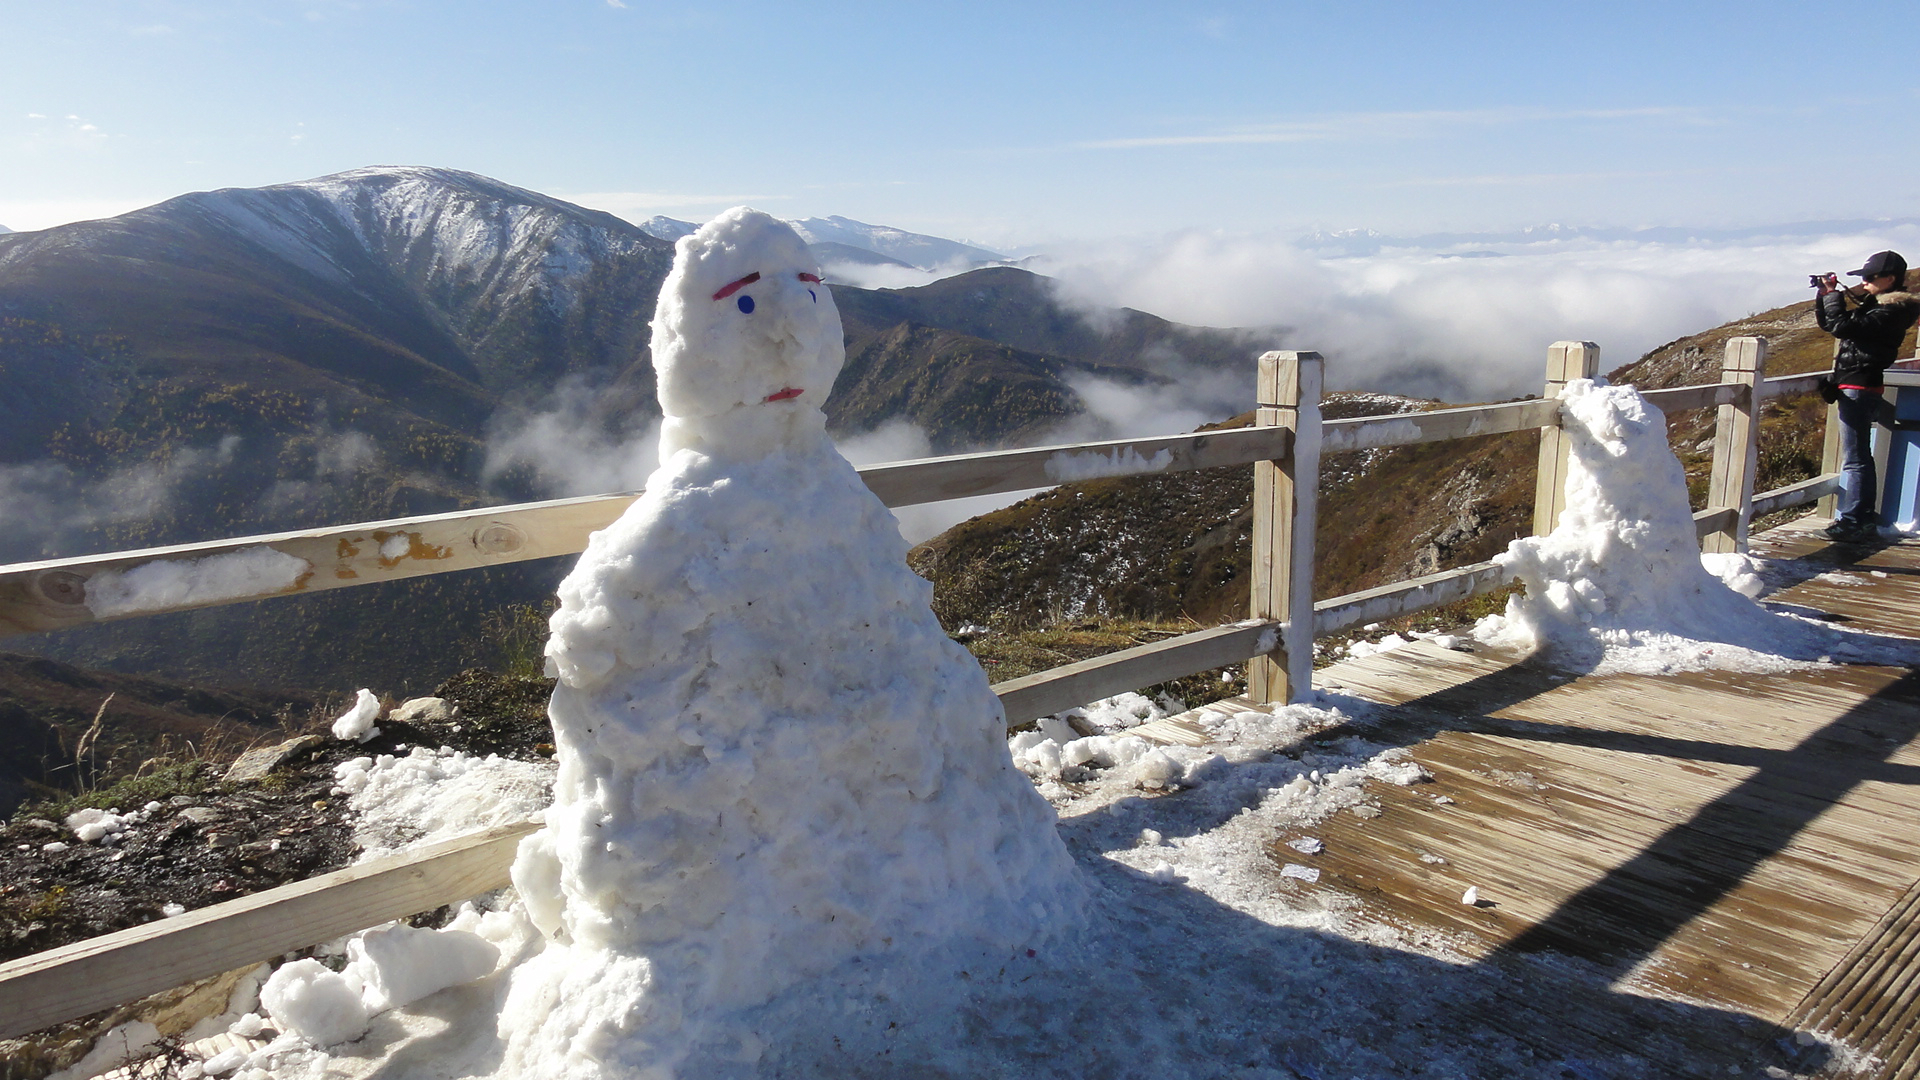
1743	841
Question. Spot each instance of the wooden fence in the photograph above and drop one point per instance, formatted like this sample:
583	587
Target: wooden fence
1284	446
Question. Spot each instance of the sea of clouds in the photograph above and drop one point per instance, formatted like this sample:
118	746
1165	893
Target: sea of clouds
1468	318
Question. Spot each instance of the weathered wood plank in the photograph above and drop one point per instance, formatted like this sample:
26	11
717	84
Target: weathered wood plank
1781	385
1337	613
1437	425
1286	499
1799	494
1736	443
53	594
63	983
1715	519
1566	361
908	483
1048	692
1681	398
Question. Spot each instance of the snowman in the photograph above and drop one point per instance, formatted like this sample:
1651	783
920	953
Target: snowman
774	766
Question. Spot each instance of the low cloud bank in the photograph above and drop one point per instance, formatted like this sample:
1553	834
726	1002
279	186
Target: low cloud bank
1464	322
565	446
52	510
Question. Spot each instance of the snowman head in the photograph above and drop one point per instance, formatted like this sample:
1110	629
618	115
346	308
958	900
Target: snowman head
746	340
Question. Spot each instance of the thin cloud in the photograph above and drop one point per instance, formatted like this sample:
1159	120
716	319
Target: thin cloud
1536	179
1393	125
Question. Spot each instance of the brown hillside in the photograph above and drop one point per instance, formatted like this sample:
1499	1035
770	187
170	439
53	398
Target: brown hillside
1168	547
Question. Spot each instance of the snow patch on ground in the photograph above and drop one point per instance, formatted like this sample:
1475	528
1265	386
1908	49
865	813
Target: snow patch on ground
428	796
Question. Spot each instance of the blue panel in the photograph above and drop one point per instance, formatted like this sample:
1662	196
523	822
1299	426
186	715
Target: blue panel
1900	495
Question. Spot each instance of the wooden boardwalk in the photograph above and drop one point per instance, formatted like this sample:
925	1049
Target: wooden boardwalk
1745	842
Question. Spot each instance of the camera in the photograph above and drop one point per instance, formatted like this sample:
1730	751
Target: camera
1814	281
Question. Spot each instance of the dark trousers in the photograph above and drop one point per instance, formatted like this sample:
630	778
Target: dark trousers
1858	483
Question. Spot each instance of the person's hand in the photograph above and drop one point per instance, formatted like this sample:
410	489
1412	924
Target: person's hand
1830	283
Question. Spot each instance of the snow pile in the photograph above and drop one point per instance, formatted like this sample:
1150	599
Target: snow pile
1620	586
1072	745
426	796
356	724
388	967
778	776
165	584
91	826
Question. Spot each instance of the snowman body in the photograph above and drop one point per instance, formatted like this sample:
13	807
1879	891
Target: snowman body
773	762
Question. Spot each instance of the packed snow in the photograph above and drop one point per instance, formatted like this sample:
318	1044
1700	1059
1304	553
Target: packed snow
776	771
1620	586
166	584
356	724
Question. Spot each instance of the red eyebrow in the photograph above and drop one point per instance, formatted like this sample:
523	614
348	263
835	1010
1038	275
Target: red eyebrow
815	278
735	286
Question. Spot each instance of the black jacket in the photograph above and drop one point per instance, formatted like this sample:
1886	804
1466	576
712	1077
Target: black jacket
1869	335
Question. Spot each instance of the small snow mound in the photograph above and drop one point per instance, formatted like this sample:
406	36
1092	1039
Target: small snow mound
1737	571
399	965
315	1004
356	724
91	826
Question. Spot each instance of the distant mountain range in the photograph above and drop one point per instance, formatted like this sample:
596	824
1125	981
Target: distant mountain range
838	239
1363	242
341	349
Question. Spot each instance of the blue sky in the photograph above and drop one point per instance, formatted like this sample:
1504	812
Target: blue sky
1011	124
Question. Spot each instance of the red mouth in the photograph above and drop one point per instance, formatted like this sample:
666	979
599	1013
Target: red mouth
789	392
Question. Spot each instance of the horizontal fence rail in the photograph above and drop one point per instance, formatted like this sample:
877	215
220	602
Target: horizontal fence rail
63	593
1436	425
1048	692
76	980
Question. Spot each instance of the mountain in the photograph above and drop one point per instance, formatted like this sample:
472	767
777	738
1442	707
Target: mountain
914	249
831	254
666	228
1020	308
963	391
839	239
1363	242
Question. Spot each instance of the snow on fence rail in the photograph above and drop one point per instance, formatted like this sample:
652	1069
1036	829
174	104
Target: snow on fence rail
1284	446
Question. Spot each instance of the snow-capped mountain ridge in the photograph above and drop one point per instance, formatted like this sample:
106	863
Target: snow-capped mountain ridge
830	236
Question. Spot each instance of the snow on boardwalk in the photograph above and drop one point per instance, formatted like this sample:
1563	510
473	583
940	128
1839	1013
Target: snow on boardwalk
1743	842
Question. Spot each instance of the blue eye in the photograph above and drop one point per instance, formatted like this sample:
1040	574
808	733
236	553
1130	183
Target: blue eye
745	303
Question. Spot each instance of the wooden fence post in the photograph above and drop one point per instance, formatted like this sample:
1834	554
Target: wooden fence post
1736	445
1285	503
1566	361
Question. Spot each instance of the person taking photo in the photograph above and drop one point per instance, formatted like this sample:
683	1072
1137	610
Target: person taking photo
1869	333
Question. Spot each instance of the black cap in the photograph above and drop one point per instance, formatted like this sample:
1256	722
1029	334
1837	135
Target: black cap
1882	262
